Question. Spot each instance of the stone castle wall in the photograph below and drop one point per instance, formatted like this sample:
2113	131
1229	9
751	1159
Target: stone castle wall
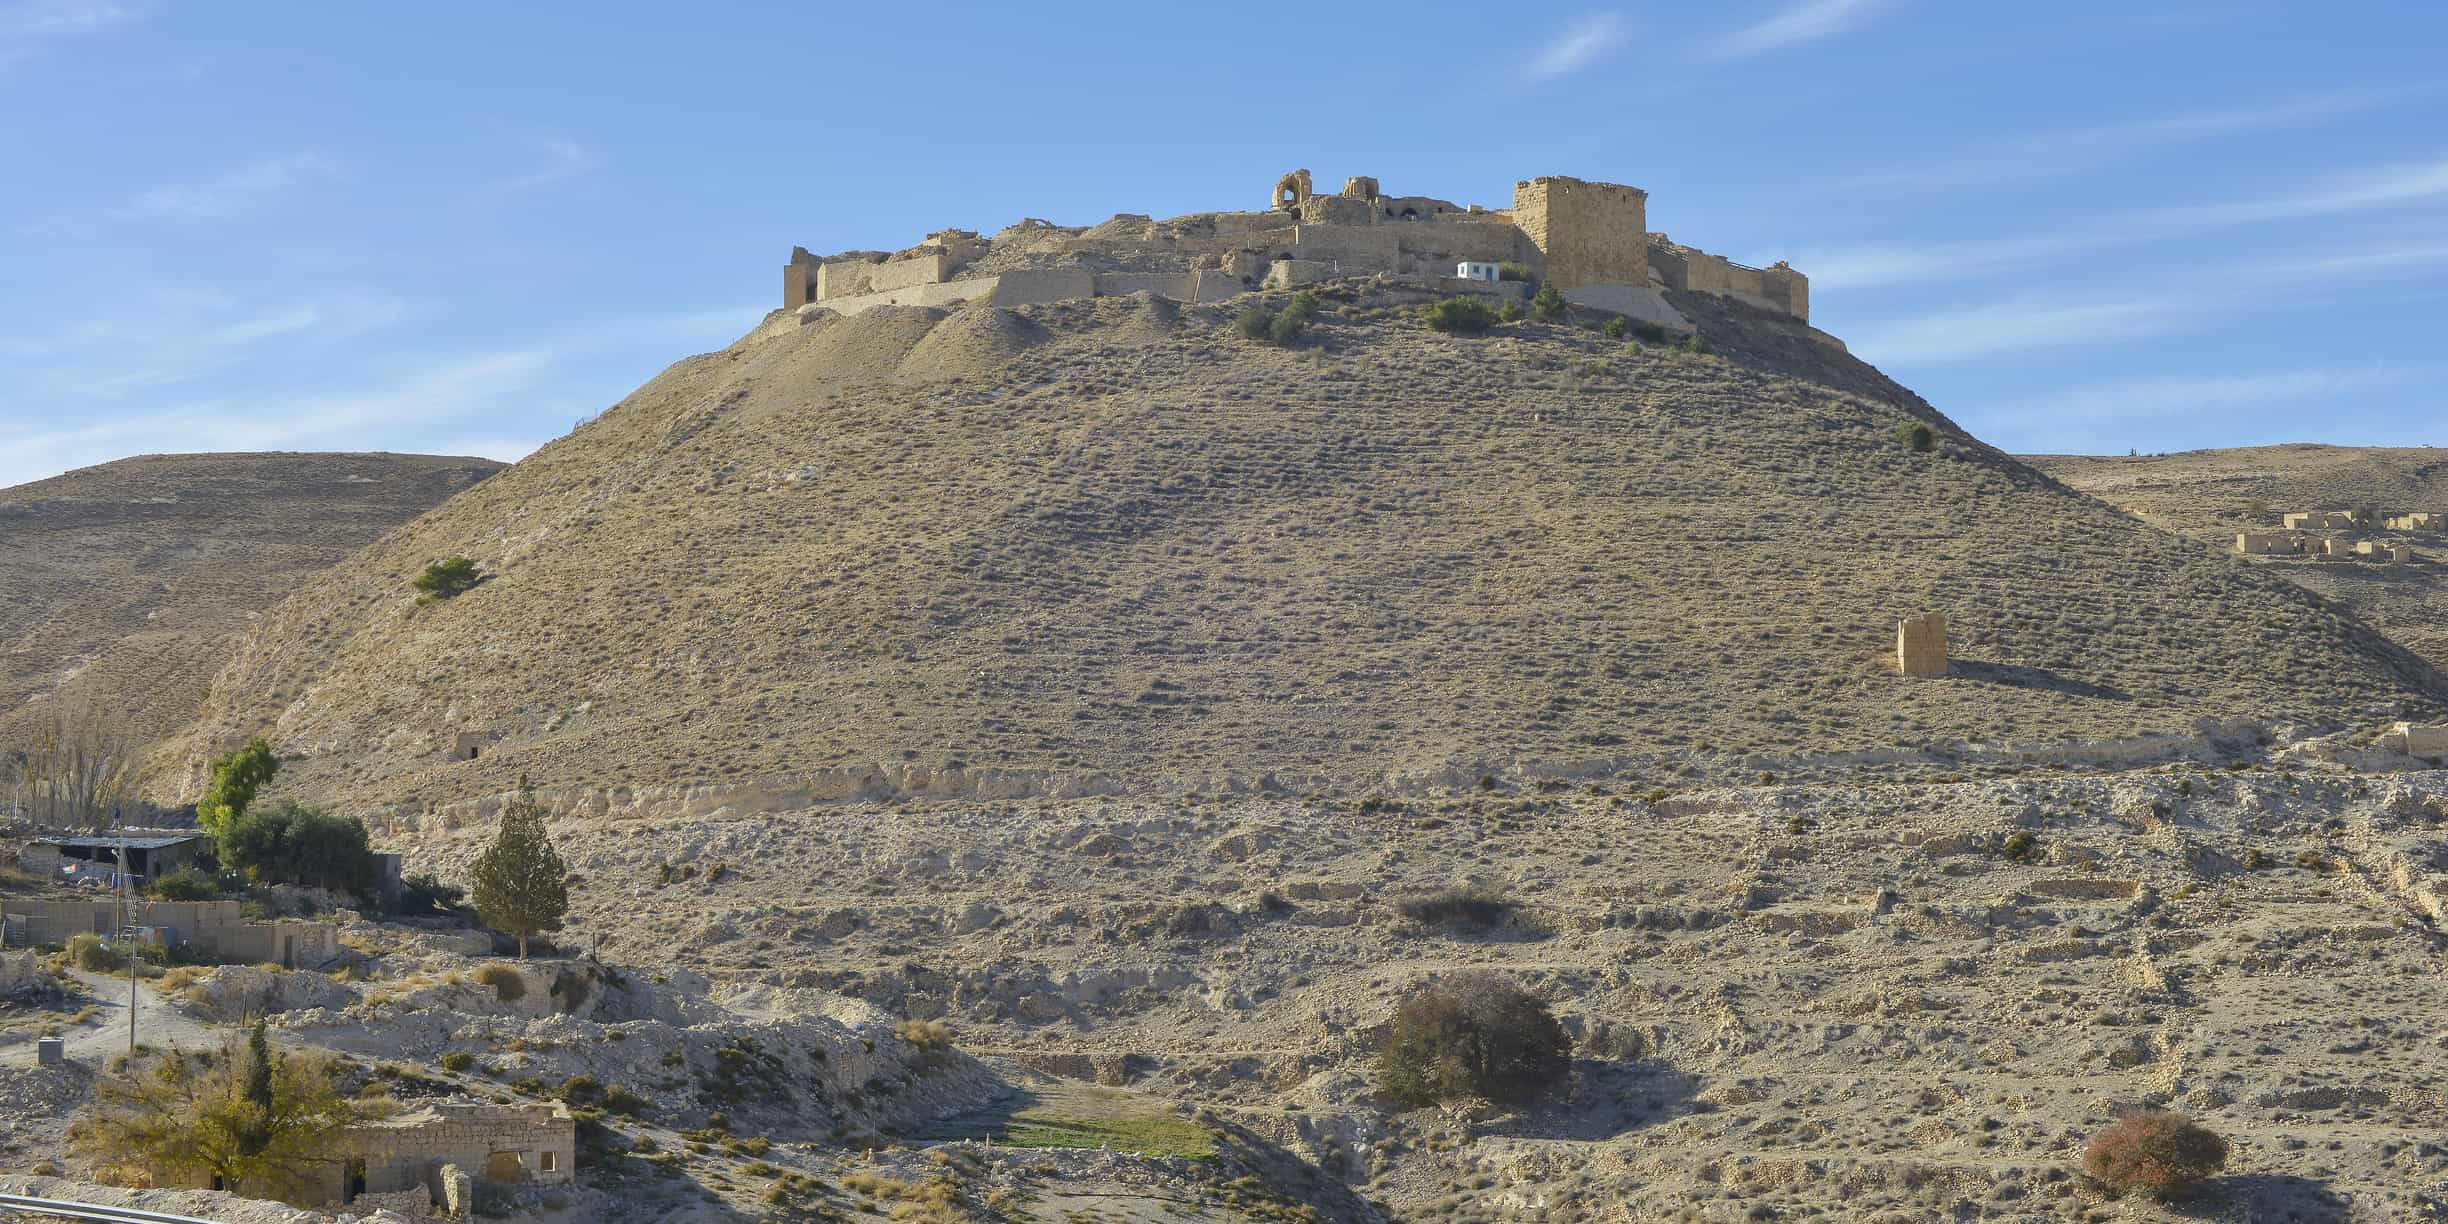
1568	232
1590	233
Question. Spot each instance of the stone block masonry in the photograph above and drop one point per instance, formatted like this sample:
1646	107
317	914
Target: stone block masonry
1590	233
1588	240
1921	645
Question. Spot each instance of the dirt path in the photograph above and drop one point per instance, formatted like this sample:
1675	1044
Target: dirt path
157	1025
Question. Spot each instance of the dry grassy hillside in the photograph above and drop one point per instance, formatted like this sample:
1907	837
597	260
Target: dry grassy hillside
2213	494
128	580
1112	539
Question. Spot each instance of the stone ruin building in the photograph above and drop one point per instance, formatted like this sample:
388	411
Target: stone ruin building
1591	241
429	1161
2331	535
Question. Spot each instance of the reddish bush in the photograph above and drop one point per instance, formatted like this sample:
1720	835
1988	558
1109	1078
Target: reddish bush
2159	1153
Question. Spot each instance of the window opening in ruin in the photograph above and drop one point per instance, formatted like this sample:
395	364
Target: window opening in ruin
547	1162
504	1167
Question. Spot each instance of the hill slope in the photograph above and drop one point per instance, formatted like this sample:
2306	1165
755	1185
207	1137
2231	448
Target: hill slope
1112	540
128	580
2213	494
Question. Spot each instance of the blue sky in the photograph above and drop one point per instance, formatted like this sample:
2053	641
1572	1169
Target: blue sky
462	227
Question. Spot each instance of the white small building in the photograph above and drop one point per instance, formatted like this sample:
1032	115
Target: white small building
1474	270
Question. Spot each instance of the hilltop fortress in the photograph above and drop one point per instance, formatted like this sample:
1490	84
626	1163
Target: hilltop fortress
1591	241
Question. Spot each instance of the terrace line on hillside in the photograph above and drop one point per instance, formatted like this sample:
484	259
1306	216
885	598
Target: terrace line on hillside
1591	241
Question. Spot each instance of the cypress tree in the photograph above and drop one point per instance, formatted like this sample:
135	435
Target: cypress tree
518	884
235	779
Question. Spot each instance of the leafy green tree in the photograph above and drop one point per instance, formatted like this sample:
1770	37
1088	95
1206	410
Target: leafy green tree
289	844
235	779
183	884
1547	303
248	1120
518	883
445	578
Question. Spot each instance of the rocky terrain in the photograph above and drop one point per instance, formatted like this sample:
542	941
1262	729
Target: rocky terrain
2213	494
128	581
1013	763
1108	543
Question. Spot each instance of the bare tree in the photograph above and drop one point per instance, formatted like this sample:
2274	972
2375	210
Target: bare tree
75	766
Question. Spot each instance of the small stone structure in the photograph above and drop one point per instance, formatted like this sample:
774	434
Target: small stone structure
1921	645
2323	520
1590	241
2377	550
2269	544
433	1154
469	745
2420	520
216	930
1475	271
50	1051
2419	739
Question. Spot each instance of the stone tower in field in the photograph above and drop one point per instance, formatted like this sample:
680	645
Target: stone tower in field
1591	233
1921	645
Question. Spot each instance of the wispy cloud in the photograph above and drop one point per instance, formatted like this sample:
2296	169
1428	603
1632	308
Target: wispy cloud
1805	22
1874	264
231	192
454	389
57	18
2072	150
468	402
2177	395
560	159
2019	324
131	349
1578	46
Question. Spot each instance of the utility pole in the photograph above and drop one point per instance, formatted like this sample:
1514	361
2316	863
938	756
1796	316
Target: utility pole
129	951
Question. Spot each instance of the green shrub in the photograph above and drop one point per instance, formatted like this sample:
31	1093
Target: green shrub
2022	846
1651	332
1510	312
620	1100
184	884
1617	328
1462	316
1473	1034
1468	905
290	844
444	579
1303	306
458	1060
1254	323
1695	343
580	1089
508	985
1285	328
1513	272
1547	303
1917	436
2155	1152
88	952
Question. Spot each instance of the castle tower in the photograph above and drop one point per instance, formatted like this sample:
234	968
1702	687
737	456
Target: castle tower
1591	233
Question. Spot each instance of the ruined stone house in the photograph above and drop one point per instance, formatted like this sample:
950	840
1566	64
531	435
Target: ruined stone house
432	1159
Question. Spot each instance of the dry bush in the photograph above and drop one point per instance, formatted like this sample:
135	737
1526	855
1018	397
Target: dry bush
2158	1153
507	985
1468	905
1473	1034
925	1034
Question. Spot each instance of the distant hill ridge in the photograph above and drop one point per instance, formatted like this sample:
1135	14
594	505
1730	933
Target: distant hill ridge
127	581
1112	540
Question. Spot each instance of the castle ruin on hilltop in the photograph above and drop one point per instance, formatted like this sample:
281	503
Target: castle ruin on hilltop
1591	241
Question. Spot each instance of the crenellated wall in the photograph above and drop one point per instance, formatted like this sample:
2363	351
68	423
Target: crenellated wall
1573	234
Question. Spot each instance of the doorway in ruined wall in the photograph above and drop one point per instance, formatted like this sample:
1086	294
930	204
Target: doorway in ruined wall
505	1167
288	952
355	1180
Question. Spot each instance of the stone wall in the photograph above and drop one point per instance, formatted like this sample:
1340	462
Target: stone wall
216	929
1921	645
1589	233
498	1143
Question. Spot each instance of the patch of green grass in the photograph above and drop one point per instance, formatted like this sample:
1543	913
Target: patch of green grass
1144	1136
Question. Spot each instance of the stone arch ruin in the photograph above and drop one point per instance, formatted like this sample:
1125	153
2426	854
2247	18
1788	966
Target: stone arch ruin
1292	191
